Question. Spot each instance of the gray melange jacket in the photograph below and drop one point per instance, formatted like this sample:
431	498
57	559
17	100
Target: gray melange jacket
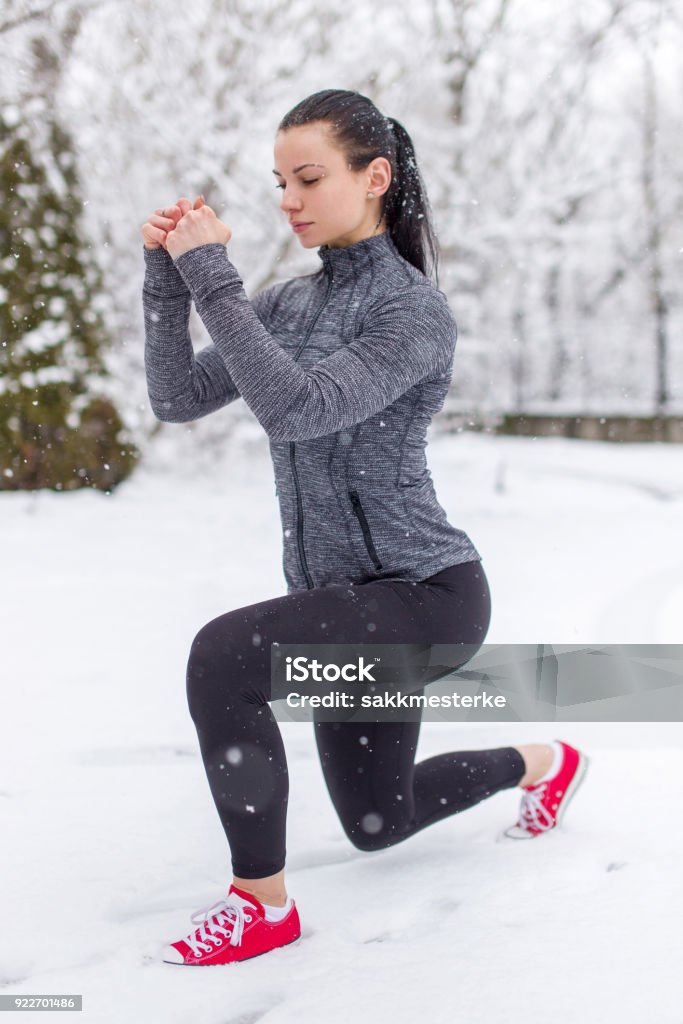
344	369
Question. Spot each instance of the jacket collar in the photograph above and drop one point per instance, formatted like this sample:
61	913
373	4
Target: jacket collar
353	259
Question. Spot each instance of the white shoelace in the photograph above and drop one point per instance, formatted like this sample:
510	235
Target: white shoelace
212	919
532	811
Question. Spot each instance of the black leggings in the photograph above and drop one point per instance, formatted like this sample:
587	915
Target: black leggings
381	796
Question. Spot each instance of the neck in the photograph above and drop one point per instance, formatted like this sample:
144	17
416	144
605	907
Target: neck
377	229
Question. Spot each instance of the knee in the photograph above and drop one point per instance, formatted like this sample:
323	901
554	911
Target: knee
369	832
210	667
204	651
225	668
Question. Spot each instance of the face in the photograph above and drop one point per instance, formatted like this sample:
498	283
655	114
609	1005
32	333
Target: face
320	191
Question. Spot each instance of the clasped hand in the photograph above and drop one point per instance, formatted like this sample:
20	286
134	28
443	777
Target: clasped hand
180	227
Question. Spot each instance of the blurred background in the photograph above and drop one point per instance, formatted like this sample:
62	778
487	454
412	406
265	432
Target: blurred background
547	136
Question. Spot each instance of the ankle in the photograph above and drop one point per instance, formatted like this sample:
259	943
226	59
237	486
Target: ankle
270	898
538	758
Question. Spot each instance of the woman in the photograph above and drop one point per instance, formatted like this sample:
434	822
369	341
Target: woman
344	369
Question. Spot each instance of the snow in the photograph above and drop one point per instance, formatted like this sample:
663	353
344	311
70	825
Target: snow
115	839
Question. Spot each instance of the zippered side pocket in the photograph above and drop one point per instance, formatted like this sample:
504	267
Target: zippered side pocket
367	536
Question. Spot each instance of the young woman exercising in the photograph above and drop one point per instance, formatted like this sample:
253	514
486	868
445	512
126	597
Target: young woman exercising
344	369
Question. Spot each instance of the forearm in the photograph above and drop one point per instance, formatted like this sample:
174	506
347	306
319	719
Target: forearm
253	358
408	336
182	386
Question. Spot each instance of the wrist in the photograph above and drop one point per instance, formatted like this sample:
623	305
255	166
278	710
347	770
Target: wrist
161	275
206	268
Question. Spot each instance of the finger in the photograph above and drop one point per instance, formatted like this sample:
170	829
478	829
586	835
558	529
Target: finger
167	223
184	205
153	234
171	212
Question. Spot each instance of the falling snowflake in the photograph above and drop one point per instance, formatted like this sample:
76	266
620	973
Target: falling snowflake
372	823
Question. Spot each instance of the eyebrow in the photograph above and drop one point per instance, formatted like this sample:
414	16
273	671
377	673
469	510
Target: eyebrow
299	168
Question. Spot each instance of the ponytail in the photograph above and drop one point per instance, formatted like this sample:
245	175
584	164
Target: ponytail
407	207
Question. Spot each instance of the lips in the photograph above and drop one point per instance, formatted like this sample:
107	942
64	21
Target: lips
300	225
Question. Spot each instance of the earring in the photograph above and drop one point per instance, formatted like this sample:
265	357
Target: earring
371	195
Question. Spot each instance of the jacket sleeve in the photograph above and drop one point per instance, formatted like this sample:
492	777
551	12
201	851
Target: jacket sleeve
182	385
406	338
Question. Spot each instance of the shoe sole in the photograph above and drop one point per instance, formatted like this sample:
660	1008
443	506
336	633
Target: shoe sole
231	963
579	776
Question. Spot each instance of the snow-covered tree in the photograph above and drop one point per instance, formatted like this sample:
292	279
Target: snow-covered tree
58	427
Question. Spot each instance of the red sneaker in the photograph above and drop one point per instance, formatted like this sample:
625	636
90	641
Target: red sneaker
544	803
234	928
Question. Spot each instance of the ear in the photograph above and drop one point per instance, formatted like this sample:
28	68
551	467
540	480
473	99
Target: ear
379	179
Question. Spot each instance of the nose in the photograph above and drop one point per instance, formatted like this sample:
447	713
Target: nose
289	202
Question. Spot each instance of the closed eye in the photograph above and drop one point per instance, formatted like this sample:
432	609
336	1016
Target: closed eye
306	181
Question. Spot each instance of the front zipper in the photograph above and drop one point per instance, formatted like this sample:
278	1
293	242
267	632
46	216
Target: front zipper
367	536
292	449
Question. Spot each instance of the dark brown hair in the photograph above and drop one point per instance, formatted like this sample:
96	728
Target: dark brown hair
363	133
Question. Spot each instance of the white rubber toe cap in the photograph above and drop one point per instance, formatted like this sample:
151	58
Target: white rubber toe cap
171	955
515	832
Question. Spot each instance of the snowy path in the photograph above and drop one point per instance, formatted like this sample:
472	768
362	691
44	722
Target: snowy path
113	839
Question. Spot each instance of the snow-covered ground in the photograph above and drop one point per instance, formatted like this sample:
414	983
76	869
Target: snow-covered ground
110	837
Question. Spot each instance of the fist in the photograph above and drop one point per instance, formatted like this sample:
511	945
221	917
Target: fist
155	230
196	227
